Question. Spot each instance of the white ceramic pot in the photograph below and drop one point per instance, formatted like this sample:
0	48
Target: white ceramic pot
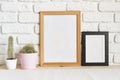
11	63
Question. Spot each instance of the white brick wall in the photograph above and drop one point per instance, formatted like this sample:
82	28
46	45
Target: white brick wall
27	39
17	7
117	17
82	6
37	29
89	27
20	18
28	18
112	37
117	58
109	6
117	38
17	28
114	48
97	17
111	27
50	6
27	0
8	17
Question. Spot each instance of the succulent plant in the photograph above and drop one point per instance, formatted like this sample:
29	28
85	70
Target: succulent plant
10	47
29	48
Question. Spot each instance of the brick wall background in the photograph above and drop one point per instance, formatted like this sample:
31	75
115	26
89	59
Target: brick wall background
20	18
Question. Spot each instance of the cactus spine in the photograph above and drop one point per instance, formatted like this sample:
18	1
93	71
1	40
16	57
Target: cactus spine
10	47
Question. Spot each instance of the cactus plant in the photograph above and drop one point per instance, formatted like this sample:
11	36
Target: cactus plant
29	48
11	62
28	57
10	47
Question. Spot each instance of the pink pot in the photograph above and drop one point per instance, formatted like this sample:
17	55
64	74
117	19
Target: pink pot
28	61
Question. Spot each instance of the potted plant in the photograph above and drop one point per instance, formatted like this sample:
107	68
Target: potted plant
11	61
28	57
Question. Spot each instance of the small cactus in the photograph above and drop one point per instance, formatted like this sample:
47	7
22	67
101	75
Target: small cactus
10	47
29	48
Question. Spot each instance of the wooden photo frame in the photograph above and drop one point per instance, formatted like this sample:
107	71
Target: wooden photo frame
60	38
95	48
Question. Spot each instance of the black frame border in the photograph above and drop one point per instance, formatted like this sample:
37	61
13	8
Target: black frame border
83	61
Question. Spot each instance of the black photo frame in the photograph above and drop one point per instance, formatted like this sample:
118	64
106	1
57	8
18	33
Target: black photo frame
95	49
